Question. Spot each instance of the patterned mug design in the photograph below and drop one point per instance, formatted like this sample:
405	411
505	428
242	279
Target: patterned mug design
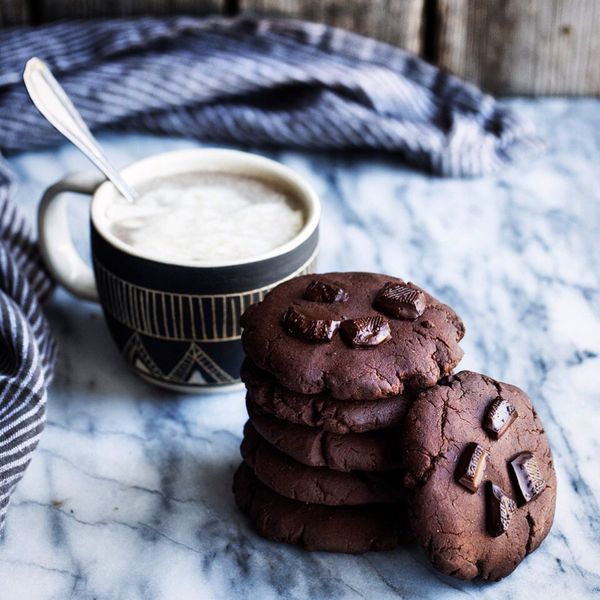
163	325
176	324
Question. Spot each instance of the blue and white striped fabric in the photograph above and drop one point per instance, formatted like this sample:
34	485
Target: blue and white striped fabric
26	347
257	82
254	82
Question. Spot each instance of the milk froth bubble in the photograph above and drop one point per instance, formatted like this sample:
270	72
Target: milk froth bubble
206	218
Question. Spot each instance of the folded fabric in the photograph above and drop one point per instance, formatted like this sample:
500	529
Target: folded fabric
260	82
255	82
26	348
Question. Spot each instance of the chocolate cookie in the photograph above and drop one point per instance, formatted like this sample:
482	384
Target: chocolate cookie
481	470
320	410
350	529
373	336
371	451
316	485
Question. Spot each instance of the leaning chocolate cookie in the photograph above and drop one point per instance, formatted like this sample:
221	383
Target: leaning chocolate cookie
316	485
481	472
350	529
368	337
315	447
265	394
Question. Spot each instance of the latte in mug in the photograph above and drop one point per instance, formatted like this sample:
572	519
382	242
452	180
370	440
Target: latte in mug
206	218
213	232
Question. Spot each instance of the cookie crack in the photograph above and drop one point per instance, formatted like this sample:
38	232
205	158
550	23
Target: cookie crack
434	458
495	383
324	448
531	525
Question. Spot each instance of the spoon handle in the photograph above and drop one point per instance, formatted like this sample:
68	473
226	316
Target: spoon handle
54	104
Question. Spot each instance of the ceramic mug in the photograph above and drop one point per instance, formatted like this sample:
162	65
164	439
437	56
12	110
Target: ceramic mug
176	323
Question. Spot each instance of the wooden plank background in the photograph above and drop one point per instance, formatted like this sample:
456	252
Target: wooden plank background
14	12
398	22
51	10
528	47
522	47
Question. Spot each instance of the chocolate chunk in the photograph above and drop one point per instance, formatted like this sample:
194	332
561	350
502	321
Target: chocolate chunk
400	301
527	476
500	510
366	331
319	291
499	417
313	330
471	467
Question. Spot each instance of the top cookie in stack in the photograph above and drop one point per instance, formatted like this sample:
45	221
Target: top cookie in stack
353	336
332	364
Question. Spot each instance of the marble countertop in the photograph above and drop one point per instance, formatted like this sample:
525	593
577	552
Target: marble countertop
128	495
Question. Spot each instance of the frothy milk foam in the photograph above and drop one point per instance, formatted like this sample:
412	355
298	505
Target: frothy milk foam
206	218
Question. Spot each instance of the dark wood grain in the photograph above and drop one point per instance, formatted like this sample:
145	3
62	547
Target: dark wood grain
50	10
398	22
516	47
14	12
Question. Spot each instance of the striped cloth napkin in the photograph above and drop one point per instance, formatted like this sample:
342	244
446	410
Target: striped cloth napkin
27	351
248	81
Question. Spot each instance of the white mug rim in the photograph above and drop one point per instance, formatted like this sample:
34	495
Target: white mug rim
209	159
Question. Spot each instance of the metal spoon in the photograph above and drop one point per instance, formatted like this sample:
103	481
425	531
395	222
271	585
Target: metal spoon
54	104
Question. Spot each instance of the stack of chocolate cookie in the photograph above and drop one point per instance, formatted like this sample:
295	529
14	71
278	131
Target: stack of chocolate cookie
359	437
332	362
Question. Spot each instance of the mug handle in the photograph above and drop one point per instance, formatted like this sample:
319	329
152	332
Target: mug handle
54	238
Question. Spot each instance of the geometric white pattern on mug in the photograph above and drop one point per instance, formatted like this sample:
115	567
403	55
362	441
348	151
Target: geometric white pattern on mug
179	317
194	368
